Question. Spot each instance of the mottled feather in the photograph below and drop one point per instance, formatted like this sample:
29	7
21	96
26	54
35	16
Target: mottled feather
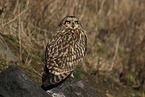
63	53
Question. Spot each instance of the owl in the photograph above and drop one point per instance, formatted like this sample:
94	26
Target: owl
65	51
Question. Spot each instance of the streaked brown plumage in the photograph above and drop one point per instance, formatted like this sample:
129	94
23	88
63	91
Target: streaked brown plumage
66	49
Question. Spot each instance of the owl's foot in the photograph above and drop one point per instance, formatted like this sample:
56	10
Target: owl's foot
72	75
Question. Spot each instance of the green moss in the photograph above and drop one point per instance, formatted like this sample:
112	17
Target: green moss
78	73
131	78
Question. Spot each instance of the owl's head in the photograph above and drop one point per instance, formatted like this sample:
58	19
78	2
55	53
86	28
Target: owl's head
70	22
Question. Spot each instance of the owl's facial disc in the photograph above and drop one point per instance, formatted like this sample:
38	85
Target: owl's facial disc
72	23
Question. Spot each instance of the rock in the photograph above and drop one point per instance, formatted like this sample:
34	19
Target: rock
73	87
15	83
6	53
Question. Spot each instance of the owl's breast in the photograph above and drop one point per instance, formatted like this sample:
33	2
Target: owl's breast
68	46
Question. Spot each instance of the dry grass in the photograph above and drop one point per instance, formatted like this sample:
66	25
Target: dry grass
114	29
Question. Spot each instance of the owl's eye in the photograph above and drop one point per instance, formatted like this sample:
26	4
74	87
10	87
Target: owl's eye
76	22
67	22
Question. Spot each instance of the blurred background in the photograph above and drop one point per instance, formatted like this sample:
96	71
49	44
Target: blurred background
115	61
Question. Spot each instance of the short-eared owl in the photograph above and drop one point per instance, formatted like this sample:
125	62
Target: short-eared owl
65	50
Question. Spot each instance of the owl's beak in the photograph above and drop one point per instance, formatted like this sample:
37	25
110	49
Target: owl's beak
73	25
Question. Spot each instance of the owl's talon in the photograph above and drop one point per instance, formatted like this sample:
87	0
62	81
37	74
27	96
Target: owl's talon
72	75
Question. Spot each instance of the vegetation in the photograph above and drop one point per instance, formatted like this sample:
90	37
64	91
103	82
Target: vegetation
116	40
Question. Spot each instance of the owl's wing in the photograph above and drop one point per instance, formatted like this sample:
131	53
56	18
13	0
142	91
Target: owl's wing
64	52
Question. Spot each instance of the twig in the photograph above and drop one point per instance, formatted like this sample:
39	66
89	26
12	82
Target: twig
115	55
2	8
17	3
28	62
101	8
15	17
3	40
84	7
19	33
36	71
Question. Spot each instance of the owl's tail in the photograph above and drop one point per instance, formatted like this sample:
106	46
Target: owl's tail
50	81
